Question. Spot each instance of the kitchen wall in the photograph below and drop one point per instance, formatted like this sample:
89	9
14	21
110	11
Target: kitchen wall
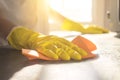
104	13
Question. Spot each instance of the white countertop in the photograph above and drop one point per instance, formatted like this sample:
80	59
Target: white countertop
104	67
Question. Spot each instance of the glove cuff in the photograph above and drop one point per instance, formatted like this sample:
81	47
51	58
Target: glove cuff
21	37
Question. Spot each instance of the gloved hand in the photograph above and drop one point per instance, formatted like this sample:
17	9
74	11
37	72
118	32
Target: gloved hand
74	26
94	29
51	46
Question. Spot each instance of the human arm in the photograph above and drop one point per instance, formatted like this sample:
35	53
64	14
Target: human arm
51	46
71	25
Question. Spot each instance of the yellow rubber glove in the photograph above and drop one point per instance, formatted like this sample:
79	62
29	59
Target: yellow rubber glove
74	26
51	46
94	29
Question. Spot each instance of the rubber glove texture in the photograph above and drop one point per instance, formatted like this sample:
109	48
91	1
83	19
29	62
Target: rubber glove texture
49	45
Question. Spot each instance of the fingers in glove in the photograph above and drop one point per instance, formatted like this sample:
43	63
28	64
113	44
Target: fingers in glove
74	47
67	50
55	47
50	49
58	50
47	52
79	50
62	54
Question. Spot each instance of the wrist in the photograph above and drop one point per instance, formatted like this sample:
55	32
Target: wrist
18	37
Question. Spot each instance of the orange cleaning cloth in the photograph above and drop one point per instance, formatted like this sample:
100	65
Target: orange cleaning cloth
85	44
80	41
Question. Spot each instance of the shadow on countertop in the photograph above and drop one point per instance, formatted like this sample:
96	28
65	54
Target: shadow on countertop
12	60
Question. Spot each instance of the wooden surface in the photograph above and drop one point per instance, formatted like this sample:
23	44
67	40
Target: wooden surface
14	66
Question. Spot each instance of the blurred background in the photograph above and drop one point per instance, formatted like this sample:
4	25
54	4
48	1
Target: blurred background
100	12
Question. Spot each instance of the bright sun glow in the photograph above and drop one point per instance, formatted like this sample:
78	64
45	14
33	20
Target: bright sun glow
78	10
